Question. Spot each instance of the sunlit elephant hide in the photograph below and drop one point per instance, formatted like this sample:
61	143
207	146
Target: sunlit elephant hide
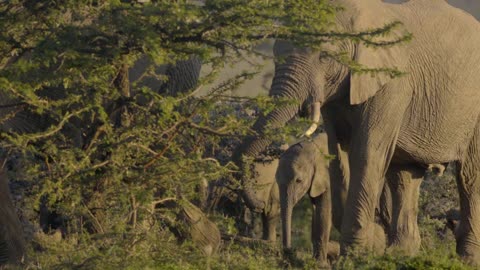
266	188
428	116
307	168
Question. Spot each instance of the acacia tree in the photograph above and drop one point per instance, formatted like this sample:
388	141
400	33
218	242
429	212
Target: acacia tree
104	151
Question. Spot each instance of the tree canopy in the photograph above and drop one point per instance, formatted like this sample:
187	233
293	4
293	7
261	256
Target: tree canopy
102	150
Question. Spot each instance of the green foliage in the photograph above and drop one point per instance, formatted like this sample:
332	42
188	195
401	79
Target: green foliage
434	259
108	154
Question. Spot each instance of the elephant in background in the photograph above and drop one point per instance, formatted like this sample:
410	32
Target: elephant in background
267	189
427	116
182	76
203	232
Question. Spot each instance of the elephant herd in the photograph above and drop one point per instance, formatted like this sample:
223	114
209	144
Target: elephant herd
305	168
383	130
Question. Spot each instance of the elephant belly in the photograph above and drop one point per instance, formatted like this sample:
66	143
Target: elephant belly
437	134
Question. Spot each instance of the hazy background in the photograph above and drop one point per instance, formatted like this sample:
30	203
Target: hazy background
261	83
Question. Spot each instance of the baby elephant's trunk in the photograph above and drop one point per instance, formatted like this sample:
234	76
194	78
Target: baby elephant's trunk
286	213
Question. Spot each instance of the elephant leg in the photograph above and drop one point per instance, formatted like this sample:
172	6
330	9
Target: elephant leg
269	223
404	184
385	207
321	226
265	227
467	232
339	169
376	130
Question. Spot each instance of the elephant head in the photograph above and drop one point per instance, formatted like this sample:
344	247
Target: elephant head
302	90
313	78
302	168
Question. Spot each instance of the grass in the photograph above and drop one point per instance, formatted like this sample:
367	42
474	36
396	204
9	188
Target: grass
157	248
160	250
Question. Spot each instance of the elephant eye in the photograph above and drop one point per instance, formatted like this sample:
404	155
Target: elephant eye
298	180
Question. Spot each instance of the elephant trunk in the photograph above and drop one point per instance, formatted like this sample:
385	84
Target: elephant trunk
291	81
251	200
286	209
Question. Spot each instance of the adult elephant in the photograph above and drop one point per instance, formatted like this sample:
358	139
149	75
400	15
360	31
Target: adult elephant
182	76
428	116
304	168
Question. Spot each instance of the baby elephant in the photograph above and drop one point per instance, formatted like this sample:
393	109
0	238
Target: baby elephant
267	189
304	168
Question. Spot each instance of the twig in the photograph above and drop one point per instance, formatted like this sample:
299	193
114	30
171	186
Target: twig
176	125
210	130
144	148
99	130
94	219
134	210
191	93
244	239
58	128
164	200
101	164
150	163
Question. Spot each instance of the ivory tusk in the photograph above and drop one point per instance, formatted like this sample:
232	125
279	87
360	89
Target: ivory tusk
315	118
316	112
311	129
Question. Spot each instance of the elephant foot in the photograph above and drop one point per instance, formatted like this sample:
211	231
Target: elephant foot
408	246
270	236
469	251
379	239
333	250
470	255
331	254
408	243
290	259
370	239
323	265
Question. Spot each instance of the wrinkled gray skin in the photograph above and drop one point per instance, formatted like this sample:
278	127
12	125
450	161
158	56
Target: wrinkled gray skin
306	160
428	116
304	168
204	233
267	189
182	76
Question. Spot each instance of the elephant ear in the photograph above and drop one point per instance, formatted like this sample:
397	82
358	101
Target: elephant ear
364	85
321	177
